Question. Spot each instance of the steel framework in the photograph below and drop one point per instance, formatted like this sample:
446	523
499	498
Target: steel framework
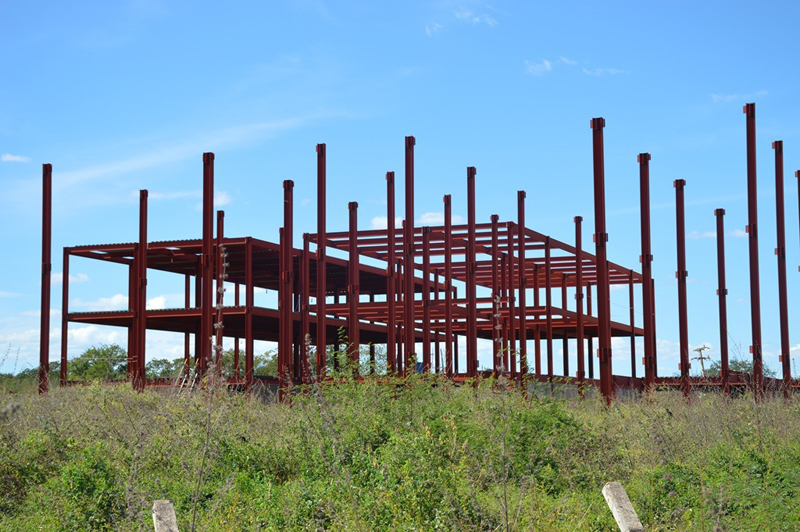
398	287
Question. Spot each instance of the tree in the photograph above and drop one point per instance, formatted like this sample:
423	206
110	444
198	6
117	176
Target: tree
104	362
738	365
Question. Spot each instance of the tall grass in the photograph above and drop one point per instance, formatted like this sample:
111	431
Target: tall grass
419	454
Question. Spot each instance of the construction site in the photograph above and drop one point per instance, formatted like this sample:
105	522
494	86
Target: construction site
415	291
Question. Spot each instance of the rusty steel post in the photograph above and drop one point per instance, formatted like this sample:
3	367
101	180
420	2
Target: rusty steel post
207	263
722	293
564	338
590	340
305	301
44	323
248	314
548	303
353	291
472	314
408	263
512	321
646	260
633	324
601	241
221	259
448	286
282	318
285	357
141	297
780	252
391	324
322	284
681	274
496	348
537	334
64	318
426	299
752	231
523	309
581	374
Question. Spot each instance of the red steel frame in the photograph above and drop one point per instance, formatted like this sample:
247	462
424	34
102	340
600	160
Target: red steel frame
495	263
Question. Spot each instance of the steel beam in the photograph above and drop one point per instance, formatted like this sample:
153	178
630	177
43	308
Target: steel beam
780	252
752	231
681	274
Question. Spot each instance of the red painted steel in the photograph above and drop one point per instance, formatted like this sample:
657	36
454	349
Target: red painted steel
207	263
305	327
408	262
426	299
523	309
752	231
220	271
472	319
496	342
632	319
537	334
448	285
64	318
601	241
780	252
564	338
141	295
646	260
248	315
548	303
581	375
236	352
44	318
681	274
353	291
590	340
512	321
391	265
722	293
322	284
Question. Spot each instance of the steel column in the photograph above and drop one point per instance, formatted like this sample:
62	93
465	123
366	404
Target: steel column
537	334
601	241
548	302
408	267
322	285
436	352
353	292
248	314
426	299
391	265
512	315
633	324
44	318
236	338
187	342
780	252
681	274
590	340
207	263
752	231
64	318
305	327
579	302
722	293
221	275
523	309
448	286
565	339
646	259
472	313
496	348
141	298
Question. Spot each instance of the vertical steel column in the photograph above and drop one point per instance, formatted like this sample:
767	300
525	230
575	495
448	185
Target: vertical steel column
797	176
141	298
207	304
187	342
248	314
537	334
681	274
198	303
236	338
565	338
64	318
391	324
305	327
548	301
455	342
579	302
722	293
44	324
504	320
285	358
646	259
437	355
633	324
221	260
353	292
780	252
322	283
601	241
372	344
408	242
523	308
472	314
512	313
496	350
448	286
284	310
590	340
426	299
655	343
752	230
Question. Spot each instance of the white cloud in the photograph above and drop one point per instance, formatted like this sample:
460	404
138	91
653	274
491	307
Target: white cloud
115	302
433	29
697	235
603	71
437	218
382	222
567	61
158	302
222	198
36	313
537	69
737	233
79	278
728	98
8	158
465	15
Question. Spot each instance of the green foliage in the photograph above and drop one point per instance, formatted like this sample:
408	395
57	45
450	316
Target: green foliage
738	365
391	454
105	363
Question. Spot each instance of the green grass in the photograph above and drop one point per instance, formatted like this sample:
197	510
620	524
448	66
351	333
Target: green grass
405	456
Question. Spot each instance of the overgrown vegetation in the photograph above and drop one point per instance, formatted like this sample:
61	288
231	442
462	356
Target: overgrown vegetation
419	454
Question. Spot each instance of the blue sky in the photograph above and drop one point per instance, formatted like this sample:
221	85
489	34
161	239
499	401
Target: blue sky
120	96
